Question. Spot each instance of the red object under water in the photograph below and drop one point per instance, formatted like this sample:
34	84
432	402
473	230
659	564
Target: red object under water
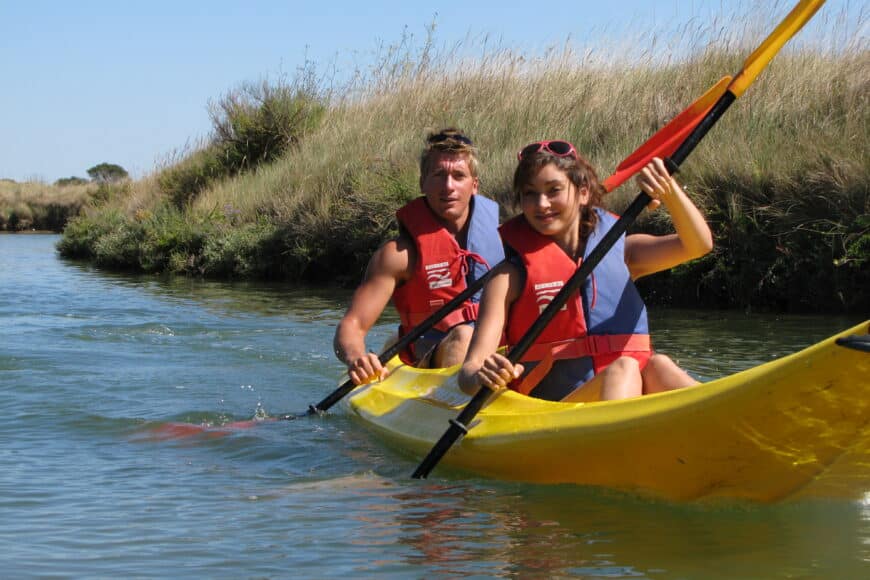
169	431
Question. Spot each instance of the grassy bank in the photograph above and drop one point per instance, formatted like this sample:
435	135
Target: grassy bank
783	178
38	206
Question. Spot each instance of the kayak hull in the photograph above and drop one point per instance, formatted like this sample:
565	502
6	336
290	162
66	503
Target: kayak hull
794	427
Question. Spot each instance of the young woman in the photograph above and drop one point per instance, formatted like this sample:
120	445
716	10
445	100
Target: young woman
597	347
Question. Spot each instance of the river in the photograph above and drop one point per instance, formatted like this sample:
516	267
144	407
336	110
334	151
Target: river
92	364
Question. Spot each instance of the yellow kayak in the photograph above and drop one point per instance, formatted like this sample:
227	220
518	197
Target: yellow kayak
798	426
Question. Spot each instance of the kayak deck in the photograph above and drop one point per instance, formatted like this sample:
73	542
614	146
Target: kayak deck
794	427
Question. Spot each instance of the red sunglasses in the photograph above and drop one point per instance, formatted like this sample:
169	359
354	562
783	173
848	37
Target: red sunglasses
557	148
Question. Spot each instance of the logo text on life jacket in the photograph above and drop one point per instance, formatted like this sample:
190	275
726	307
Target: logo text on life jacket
545	292
438	275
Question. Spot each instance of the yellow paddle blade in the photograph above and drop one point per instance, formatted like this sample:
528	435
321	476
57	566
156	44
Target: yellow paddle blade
799	16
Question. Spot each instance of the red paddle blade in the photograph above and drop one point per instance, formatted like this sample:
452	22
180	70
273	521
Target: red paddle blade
666	140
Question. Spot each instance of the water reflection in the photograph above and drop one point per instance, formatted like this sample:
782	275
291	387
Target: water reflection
545	532
233	298
708	343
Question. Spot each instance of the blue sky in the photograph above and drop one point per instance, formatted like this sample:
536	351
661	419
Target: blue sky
128	82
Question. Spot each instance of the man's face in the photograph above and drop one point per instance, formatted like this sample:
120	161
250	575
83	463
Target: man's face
448	187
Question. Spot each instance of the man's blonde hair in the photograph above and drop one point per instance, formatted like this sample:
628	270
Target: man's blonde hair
449	140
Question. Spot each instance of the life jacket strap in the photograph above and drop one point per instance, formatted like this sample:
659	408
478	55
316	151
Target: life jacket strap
590	345
465	313
525	384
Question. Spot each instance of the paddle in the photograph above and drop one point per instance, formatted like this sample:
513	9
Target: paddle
856	342
799	15
661	144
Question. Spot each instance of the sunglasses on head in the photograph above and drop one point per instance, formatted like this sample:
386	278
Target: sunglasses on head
557	148
441	137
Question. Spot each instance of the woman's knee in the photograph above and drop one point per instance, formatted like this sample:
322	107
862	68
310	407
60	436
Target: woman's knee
659	361
452	349
621	379
661	373
625	364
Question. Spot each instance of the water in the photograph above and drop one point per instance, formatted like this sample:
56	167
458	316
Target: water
91	364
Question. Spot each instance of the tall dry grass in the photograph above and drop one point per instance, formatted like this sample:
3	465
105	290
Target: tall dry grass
38	206
790	156
807	112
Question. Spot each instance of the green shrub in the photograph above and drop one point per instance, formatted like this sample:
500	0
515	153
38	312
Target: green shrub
246	251
83	233
67	181
258	122
108	191
182	181
252	125
172	242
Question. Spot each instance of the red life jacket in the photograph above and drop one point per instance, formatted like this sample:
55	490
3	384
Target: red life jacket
442	264
592	331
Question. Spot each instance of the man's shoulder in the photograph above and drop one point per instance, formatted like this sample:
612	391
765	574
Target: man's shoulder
394	258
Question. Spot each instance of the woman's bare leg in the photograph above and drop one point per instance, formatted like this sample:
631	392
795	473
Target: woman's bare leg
662	374
620	380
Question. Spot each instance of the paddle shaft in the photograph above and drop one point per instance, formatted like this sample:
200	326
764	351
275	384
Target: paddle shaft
459	426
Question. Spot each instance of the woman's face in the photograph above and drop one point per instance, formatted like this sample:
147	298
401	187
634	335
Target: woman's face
551	203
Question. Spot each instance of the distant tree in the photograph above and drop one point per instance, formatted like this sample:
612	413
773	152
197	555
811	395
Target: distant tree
7	180
107	173
70	181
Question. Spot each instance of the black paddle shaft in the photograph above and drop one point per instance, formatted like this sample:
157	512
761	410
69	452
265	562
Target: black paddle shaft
459	426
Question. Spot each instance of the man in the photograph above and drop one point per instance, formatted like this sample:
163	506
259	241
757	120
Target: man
447	238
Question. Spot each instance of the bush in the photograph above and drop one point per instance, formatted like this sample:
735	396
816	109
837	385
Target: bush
66	181
246	251
182	181
171	242
256	123
83	234
107	173
252	125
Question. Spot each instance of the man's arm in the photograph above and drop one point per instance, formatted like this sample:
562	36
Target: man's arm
388	267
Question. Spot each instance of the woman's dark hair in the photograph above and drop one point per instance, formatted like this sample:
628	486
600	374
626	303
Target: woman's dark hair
580	173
